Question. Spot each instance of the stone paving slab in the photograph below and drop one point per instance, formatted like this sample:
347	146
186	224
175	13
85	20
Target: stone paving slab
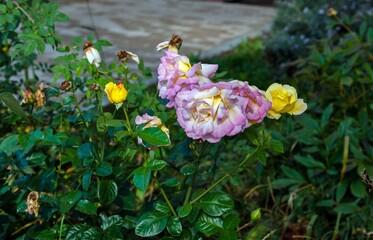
207	27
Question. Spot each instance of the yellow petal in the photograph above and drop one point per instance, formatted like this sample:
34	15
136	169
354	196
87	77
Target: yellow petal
299	107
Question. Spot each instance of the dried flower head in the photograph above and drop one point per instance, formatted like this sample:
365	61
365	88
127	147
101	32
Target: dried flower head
173	44
332	12
28	97
91	54
32	203
367	179
124	55
66	85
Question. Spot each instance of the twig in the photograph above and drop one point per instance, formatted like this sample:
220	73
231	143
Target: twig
25	226
24	12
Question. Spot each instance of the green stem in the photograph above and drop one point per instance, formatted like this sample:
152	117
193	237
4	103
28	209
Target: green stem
166	199
101	110
61	226
127	120
248	157
190	187
78	108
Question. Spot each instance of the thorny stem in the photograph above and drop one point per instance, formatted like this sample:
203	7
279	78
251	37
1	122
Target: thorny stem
248	157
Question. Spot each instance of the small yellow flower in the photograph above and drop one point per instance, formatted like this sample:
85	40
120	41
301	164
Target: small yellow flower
284	99
332	12
116	93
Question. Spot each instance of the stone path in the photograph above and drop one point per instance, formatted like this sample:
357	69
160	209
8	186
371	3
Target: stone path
207	27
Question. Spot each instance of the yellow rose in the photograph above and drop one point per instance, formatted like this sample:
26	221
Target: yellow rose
284	99
116	93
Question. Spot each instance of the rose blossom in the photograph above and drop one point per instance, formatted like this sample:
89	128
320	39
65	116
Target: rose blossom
257	105
284	99
151	121
211	111
176	73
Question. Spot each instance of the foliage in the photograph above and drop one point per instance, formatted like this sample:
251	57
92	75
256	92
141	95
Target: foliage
299	24
70	163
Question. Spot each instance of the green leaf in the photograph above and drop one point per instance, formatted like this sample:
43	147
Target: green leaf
86	180
208	225
185	210
107	191
115	123
326	115
86	151
346	208
104	169
231	221
216	203
284	182
309	162
229	234
325	203
141	178
174	226
69	200
86	207
277	146
156	164
341	190
262	157
154	136
150	224
47	235
292	173
10	144
188	169
13	105
358	189
37	158
161	207
111	221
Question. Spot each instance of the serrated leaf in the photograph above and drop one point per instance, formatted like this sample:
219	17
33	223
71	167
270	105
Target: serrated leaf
174	226
141	178
151	224
86	207
13	105
209	225
216	203
107	191
277	146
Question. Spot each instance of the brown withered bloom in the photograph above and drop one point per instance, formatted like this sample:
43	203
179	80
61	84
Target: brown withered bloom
28	97
91	54
66	85
33	203
173	44
124	55
94	87
332	12
176	41
367	179
40	95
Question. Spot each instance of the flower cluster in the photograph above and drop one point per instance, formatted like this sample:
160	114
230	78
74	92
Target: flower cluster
210	111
